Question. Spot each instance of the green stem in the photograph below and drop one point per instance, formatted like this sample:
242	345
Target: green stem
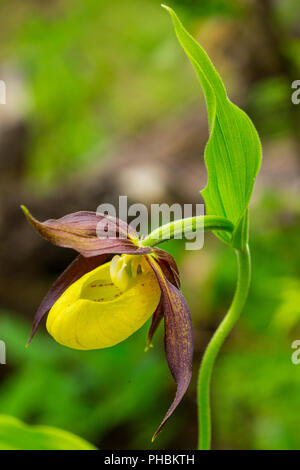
205	372
186	226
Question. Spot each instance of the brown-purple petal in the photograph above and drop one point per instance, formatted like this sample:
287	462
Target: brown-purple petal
168	266
170	269
74	271
79	232
178	337
156	319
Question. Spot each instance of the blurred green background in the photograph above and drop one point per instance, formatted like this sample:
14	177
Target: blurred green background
100	102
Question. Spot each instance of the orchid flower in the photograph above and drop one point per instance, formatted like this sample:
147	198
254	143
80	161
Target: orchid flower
118	281
111	289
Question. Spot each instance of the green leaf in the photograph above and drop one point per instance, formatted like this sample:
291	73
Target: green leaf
233	151
15	435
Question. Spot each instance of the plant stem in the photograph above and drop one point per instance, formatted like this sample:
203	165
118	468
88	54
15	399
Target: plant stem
205	372
177	228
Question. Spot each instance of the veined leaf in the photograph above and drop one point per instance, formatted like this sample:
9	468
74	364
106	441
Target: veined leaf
233	151
15	435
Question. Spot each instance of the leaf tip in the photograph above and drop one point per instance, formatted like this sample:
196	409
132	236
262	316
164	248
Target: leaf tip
167	8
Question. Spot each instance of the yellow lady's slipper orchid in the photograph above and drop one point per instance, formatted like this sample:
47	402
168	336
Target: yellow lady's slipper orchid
100	310
102	298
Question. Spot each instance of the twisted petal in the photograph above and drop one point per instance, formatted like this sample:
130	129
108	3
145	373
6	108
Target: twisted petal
170	269
178	337
156	319
168	266
74	271
89	233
